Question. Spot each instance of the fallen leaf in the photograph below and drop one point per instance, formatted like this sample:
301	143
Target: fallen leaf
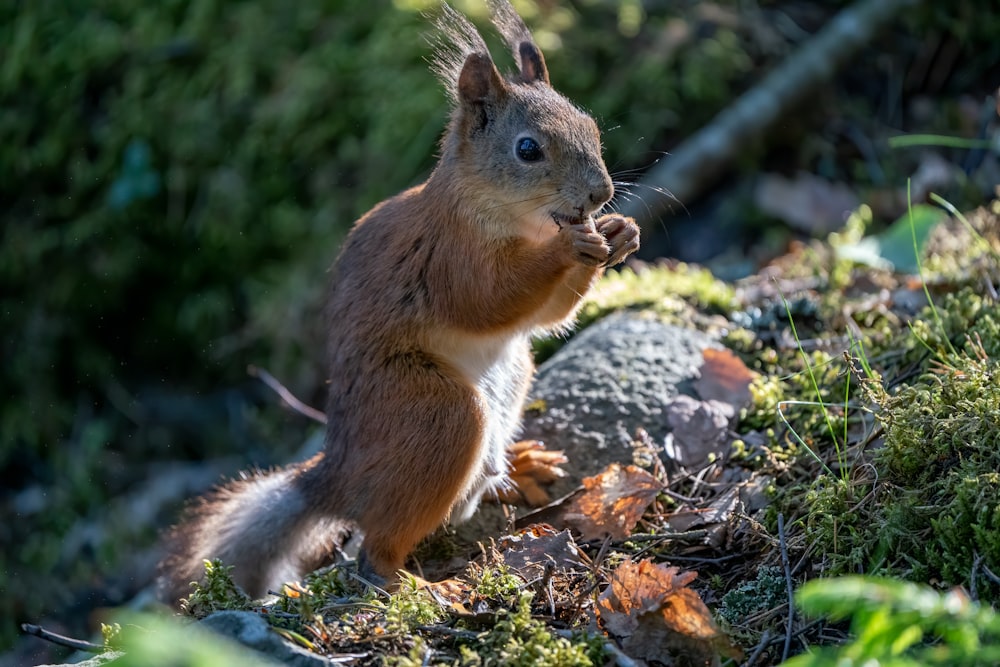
650	609
903	239
530	551
714	518
898	247
724	377
808	203
698	429
612	502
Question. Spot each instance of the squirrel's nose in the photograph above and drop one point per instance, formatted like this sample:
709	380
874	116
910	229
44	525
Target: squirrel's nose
601	191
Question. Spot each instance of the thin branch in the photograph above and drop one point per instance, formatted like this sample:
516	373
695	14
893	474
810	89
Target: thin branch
446	631
765	639
696	163
989	573
788	583
285	395
977	561
61	640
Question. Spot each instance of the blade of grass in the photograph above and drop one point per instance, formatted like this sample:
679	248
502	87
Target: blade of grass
947	205
920	271
910	140
815	385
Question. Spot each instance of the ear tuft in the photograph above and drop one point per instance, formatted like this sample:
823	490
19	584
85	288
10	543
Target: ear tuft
532	63
518	38
479	81
455	40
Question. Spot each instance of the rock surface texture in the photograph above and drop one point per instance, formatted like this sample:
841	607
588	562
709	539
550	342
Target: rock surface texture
617	375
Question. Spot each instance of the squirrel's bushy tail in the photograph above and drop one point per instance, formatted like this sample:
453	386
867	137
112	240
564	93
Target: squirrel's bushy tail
262	525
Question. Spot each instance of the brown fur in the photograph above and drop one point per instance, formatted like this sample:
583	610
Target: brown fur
432	301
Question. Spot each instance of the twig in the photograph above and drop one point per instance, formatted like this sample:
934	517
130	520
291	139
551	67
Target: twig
765	639
802	561
708	561
285	395
788	583
657	540
704	156
989	573
61	640
621	659
444	630
977	561
653	537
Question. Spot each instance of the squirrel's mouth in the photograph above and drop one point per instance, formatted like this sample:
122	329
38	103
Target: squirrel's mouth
562	219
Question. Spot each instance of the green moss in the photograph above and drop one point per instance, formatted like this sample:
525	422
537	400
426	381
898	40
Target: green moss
111	634
930	508
410	607
766	393
941	443
497	584
520	640
217	593
308	599
836	518
678	293
657	288
766	591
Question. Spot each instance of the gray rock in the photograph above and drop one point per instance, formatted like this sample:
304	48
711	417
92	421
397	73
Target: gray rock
253	631
614	377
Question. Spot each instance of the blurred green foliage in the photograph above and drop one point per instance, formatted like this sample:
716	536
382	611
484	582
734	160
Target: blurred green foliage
166	166
177	175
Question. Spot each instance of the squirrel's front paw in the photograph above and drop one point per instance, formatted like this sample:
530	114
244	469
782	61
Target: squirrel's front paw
589	245
621	233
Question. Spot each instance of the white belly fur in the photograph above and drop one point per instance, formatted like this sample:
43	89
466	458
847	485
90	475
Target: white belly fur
499	367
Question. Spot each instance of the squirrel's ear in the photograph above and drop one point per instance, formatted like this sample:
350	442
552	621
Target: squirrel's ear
532	63
480	83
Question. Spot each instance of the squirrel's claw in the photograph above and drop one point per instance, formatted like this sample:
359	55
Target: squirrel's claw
589	245
621	233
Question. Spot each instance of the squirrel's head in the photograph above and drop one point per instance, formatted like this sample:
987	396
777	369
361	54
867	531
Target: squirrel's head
521	144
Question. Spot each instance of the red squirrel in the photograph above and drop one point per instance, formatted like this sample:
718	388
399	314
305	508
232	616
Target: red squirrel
434	298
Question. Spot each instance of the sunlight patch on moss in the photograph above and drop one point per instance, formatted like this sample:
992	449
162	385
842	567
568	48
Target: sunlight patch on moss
658	287
218	592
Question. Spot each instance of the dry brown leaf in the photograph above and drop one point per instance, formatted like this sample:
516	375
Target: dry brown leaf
655	616
612	502
715	518
724	377
698	429
531	550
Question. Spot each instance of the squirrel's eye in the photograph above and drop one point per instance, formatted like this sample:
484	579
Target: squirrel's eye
528	150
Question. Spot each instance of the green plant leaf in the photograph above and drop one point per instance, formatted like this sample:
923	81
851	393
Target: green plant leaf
156	640
893	248
896	242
